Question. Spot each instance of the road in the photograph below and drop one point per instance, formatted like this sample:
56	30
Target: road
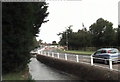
82	58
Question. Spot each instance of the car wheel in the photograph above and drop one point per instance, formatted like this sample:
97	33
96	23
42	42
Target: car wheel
106	62
114	62
94	61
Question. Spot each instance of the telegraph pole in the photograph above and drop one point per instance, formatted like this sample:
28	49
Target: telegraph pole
66	38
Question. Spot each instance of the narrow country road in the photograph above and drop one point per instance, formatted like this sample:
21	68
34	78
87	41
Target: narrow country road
82	58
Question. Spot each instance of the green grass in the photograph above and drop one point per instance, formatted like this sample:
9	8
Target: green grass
13	76
77	52
17	76
23	75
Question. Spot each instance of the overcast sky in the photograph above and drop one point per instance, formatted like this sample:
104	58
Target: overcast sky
65	13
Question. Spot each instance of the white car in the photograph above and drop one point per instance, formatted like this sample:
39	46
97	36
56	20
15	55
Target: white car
104	54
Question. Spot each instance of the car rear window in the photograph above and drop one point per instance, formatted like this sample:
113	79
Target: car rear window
101	51
108	51
113	51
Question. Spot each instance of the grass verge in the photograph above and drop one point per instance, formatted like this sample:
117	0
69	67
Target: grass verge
77	52
13	76
23	75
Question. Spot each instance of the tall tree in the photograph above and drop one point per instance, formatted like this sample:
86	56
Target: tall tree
21	22
66	37
75	40
54	42
102	33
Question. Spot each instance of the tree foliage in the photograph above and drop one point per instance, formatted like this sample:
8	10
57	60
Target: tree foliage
66	36
100	34
54	43
75	40
21	22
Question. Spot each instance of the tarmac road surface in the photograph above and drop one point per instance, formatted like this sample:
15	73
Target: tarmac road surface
82	58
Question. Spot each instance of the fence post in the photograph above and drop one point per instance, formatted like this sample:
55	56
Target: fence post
1	78
48	54
91	60
110	63
65	56
44	52
58	55
40	52
52	54
77	58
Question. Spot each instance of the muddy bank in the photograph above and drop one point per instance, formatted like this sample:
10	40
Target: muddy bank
81	70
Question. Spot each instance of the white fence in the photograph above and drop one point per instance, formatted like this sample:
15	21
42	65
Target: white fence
77	58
